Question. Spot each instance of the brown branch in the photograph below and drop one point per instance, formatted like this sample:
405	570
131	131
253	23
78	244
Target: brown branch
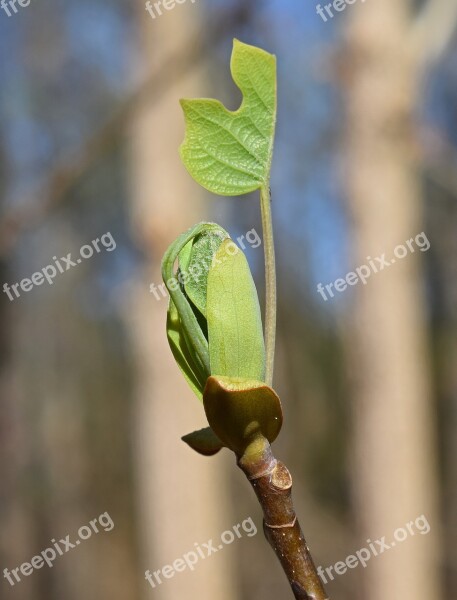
272	484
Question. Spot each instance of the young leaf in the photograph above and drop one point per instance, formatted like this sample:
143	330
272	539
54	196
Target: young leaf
229	152
190	368
235	337
197	264
188	326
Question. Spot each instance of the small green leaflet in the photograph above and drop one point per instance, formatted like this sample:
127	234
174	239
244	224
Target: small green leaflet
230	152
235	337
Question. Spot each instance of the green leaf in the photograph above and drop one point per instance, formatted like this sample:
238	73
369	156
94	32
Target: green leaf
239	411
192	371
230	152
189	326
235	335
198	263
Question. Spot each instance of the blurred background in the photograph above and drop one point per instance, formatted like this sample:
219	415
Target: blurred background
92	404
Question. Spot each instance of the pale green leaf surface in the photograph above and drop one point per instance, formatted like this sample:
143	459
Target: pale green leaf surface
230	152
184	256
194	375
235	336
204	247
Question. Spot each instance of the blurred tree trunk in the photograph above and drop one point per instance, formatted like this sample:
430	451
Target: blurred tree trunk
394	469
442	221
183	496
16	535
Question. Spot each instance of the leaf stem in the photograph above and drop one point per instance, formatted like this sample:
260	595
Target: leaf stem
270	282
272	484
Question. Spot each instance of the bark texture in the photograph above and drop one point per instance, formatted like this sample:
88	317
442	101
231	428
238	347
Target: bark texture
272	484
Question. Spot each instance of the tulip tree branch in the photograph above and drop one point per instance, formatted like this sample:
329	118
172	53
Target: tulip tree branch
229	153
272	484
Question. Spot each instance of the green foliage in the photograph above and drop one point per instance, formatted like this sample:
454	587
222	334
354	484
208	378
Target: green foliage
180	345
187	339
236	346
230	152
200	257
214	324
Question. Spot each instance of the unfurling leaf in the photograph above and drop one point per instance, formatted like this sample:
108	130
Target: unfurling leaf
229	152
214	324
187	339
215	332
